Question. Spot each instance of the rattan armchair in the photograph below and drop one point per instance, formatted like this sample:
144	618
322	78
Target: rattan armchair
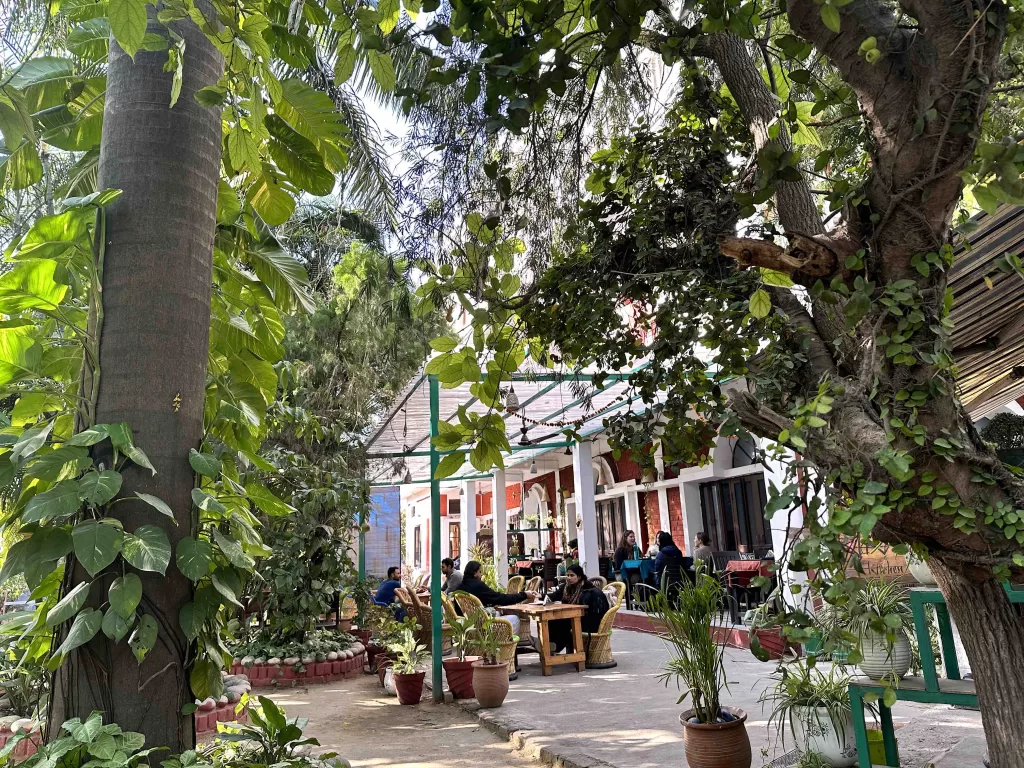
599	644
515	584
536	584
470	605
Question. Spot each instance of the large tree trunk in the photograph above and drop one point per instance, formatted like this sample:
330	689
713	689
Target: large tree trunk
993	635
153	354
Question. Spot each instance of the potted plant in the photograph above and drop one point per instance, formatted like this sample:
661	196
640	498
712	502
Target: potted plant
490	676
880	616
714	736
919	569
407	674
815	708
459	670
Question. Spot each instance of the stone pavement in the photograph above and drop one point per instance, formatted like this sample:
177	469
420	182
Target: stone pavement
356	719
626	718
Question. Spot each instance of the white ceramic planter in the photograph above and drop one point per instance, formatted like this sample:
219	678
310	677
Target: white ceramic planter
882	661
814	731
389	682
919	570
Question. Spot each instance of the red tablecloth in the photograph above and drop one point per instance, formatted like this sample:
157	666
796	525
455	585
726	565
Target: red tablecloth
740	572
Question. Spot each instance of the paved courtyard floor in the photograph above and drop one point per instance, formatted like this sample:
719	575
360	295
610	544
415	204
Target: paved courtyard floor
626	718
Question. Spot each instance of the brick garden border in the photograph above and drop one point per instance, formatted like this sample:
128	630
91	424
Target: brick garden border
317	673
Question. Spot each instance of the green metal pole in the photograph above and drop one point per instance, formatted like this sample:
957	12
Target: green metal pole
435	545
362	545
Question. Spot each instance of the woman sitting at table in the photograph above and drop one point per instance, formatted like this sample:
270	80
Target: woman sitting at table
628	549
577	590
474	585
668	554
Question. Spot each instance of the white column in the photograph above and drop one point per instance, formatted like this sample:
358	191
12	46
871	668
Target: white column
665	522
633	514
693	517
583	475
468	521
499	524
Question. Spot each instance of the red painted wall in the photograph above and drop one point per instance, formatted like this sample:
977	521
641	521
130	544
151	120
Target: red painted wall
675	519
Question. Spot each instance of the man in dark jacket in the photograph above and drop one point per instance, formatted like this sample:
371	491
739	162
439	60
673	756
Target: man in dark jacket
386	592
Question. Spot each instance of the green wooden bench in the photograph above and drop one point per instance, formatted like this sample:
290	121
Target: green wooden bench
928	688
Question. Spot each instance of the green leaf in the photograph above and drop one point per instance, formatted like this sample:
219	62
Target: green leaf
99	487
115	626
31	440
298	158
53	544
271	202
69	605
390	11
128	23
267	501
22	168
206	502
191	619
194	558
282	274
83	629
382	68
760	304
147	549
91	39
232	550
830	16
889	697
90	436
205	464
63	500
244	151
205	679
310	112
125	594
139	456
104	747
85	732
20	355
450	464
96	544
158	504
144	637
224	589
345	60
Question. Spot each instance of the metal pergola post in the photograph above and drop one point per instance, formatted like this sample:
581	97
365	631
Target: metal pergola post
435	545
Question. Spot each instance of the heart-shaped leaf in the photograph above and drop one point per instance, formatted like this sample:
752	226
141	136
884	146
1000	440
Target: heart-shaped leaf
125	594
116	626
158	504
143	638
99	487
60	501
83	629
96	544
69	605
204	463
194	557
148	549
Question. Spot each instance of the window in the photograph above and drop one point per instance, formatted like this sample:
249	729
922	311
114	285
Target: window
611	523
454	540
417	546
733	513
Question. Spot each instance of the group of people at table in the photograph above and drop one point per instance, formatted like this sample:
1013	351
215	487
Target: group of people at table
575	589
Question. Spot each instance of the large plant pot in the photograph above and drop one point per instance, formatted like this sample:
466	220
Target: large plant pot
814	730
718	745
921	572
409	687
772	640
460	677
882	661
383	665
363	635
344	625
389	682
490	684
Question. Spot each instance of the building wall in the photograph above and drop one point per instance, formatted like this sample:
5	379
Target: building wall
653	509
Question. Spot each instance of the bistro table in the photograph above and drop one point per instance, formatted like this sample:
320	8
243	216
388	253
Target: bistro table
738	575
542	614
644	566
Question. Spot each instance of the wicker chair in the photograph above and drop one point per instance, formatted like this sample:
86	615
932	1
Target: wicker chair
620	592
470	605
599	644
425	636
450	614
515	584
536	584
405	600
599	581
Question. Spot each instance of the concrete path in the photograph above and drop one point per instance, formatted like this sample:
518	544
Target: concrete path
356	719
626	718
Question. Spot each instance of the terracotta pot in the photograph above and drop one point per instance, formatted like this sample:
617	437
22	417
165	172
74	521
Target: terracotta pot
372	652
717	745
460	676
344	625
363	635
383	664
409	687
773	641
490	684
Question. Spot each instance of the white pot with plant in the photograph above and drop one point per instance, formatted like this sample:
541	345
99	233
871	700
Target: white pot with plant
920	570
714	736
814	708
880	615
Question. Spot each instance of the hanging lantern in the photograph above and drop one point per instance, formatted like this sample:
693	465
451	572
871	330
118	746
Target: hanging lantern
511	400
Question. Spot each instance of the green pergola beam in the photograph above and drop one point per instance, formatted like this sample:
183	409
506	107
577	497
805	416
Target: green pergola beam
512	449
435	548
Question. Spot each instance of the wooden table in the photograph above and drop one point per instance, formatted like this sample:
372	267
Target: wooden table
542	614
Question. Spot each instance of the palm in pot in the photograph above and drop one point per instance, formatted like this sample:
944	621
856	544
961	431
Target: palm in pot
490	674
459	670
714	736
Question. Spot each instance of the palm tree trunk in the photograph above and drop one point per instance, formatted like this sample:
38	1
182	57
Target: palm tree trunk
153	354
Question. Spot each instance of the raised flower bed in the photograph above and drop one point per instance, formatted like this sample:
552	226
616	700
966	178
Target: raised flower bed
12	724
294	671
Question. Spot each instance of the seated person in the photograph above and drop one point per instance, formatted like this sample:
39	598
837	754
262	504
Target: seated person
628	549
452	576
577	590
385	594
572	554
668	554
702	548
474	585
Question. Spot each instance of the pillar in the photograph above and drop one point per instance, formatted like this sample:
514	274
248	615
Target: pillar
499	523
693	516
468	521
633	514
666	523
583	475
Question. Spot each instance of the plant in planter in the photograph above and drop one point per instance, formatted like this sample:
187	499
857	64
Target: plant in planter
459	670
408	676
815	708
919	569
881	618
713	736
490	676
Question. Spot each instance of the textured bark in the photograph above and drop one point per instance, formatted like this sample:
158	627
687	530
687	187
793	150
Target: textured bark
993	634
153	354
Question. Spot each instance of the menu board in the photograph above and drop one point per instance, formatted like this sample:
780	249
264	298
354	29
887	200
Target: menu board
879	562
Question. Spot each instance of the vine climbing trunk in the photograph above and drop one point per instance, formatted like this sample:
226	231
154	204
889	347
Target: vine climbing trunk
992	631
153	351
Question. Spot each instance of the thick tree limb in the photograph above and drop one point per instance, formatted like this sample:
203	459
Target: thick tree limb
806	259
